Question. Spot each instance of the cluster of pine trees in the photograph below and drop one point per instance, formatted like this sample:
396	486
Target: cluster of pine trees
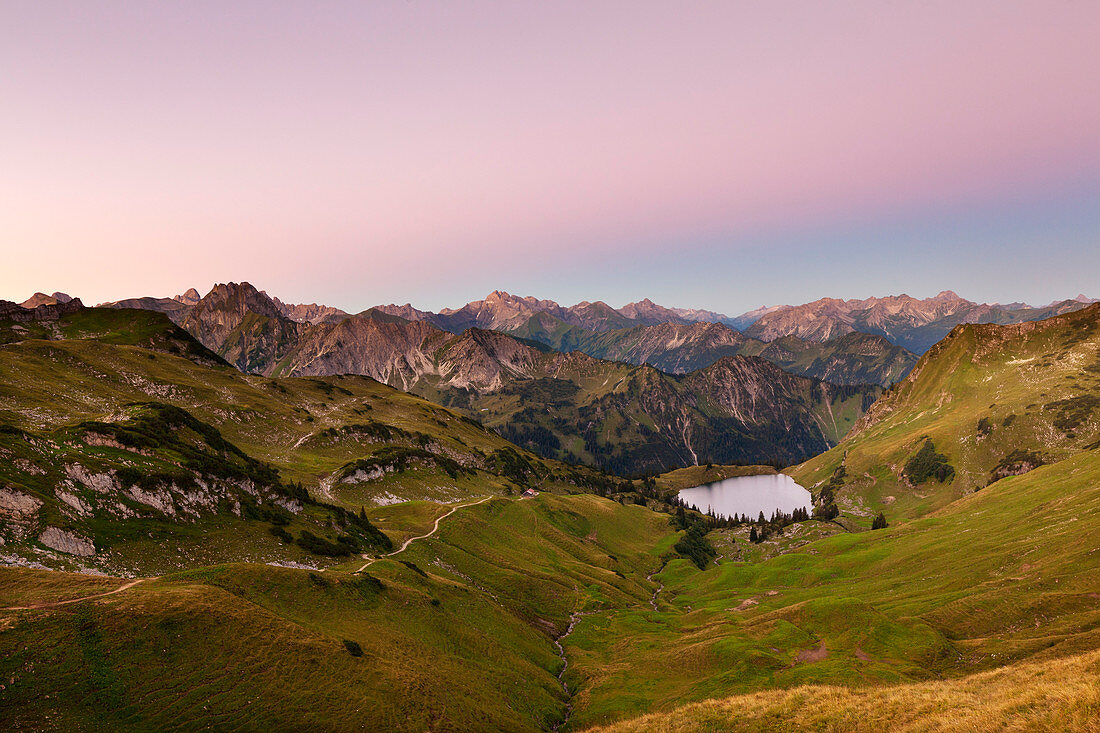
761	528
825	506
764	528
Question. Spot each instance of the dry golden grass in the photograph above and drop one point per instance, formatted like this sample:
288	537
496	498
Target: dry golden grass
1058	695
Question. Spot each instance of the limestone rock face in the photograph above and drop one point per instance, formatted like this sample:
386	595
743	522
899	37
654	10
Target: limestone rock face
310	313
18	513
191	297
67	542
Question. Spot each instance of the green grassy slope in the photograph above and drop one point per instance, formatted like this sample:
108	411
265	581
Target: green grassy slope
1005	575
1049	697
994	400
967	596
124	326
459	638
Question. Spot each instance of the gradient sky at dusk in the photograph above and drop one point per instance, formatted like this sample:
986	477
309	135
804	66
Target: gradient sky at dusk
712	154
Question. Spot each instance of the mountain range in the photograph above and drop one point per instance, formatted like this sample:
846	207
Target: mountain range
570	382
673	340
912	323
617	416
908	322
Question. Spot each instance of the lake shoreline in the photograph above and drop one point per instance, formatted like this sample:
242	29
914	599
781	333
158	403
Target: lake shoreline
748	495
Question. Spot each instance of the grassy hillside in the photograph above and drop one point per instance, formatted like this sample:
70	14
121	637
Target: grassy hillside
980	600
436	635
1056	696
124	327
993	401
1007	575
111	437
473	610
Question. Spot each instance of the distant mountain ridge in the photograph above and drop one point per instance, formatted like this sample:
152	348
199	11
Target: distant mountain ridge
912	323
620	417
502	311
806	339
679	348
906	321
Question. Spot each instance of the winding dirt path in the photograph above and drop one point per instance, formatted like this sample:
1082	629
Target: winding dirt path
53	604
435	529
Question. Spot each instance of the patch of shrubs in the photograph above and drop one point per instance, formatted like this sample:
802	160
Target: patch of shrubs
353	648
369	585
329	388
265	512
379	431
508	462
359	525
825	507
879	522
399	458
414	567
343	546
1073	412
694	546
282	534
1015	463
927	464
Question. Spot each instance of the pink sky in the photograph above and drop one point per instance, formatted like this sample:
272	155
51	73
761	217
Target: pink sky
369	152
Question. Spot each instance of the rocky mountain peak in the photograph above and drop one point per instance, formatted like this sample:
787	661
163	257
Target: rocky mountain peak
191	297
40	299
241	298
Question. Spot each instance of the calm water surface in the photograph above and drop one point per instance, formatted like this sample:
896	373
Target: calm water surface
749	495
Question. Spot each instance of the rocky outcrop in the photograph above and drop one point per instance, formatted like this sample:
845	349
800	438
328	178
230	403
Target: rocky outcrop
311	313
46	311
68	542
671	347
646	312
397	353
42	299
243	325
18	513
170	307
191	297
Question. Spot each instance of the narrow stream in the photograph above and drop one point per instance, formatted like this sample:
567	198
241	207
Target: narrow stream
660	587
573	619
